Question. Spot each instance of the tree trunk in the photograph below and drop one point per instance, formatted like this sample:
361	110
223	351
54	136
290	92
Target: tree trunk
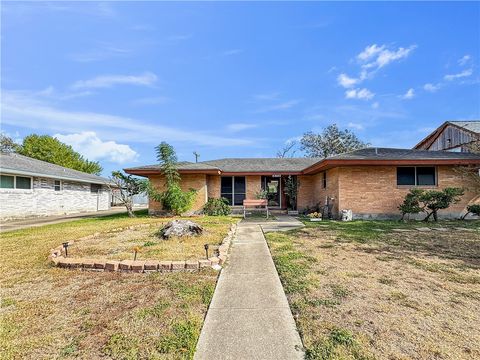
435	216
130	210
428	216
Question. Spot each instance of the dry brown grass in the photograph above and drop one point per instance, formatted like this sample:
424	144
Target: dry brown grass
51	313
408	295
120	245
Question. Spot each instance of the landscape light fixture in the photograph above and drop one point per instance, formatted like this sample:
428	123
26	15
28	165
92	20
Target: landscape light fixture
206	250
65	246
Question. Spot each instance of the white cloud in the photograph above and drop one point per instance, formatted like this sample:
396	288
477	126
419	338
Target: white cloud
410	94
465	73
154	100
375	56
281	106
26	110
100	53
370	51
431	87
240	126
267	96
375	105
231	52
346	81
363	94
356	126
106	81
464	60
92	147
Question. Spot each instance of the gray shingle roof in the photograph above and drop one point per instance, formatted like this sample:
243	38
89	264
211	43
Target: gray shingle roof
299	164
469	125
23	165
243	165
373	153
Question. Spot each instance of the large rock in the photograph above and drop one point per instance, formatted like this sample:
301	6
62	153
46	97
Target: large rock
180	228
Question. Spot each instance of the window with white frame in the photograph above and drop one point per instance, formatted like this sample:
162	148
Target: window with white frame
233	188
15	182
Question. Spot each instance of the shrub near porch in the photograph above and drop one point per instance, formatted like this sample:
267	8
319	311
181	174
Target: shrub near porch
52	313
386	290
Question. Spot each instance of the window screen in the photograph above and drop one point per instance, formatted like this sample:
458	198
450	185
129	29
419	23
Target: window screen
57	185
324	179
426	176
405	176
239	190
226	189
23	182
6	182
95	188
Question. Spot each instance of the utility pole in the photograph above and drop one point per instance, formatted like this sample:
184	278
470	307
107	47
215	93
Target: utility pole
197	155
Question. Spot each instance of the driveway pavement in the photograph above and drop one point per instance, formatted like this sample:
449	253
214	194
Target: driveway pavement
40	221
249	317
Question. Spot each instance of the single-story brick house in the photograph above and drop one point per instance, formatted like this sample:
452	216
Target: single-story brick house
30	187
371	182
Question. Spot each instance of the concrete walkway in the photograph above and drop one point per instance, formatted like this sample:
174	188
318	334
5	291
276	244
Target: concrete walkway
249	317
11	225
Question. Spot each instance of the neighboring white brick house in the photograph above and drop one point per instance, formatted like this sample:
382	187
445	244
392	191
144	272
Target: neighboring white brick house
31	187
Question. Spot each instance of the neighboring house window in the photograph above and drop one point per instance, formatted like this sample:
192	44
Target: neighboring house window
416	175
233	188
324	180
95	188
22	182
7	182
57	185
16	182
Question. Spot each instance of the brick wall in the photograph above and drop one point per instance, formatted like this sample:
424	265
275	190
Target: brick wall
254	185
197	182
42	200
213	186
372	191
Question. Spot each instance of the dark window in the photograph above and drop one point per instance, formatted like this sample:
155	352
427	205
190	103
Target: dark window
23	182
405	176
7	182
420	176
95	188
233	189
239	190
324	179
226	189
57	185
426	176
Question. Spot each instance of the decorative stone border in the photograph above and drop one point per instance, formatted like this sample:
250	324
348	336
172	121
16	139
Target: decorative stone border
140	266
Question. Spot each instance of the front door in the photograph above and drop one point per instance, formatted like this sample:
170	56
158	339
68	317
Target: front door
272	186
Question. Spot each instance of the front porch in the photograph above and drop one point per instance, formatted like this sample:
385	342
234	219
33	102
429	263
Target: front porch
248	187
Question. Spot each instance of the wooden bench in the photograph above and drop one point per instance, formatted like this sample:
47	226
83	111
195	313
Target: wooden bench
254	203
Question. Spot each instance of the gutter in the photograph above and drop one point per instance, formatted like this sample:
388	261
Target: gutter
29	173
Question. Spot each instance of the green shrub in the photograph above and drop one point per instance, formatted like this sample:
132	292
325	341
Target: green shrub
411	203
217	207
472	209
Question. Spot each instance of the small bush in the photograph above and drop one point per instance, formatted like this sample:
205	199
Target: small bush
472	209
217	207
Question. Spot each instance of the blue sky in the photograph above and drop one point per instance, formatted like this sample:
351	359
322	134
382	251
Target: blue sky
234	79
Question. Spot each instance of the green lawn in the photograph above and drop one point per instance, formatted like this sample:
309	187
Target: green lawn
368	290
52	313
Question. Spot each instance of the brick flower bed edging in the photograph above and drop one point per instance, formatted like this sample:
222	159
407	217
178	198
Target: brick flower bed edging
140	266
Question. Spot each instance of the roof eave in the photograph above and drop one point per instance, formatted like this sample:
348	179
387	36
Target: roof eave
147	172
327	164
68	178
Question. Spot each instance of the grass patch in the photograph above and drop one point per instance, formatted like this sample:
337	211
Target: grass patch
50	313
386	285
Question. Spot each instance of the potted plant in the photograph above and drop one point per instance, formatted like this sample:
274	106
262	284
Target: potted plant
315	216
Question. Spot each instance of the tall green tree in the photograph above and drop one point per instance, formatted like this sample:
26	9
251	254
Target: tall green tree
52	150
331	141
7	145
173	199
